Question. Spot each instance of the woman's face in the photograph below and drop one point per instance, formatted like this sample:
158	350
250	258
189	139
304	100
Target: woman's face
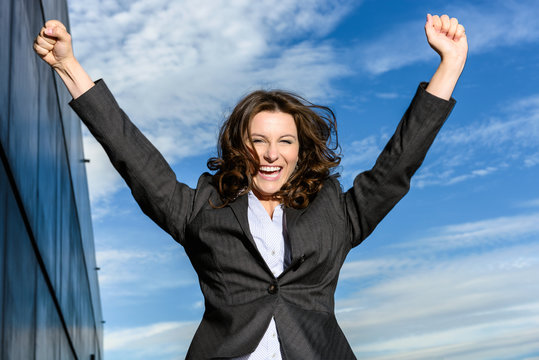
275	138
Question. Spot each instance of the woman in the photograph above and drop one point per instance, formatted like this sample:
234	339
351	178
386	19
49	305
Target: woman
269	231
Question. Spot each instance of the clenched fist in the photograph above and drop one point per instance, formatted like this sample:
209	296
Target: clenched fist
447	37
53	44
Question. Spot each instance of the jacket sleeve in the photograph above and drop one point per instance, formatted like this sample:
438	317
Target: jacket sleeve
375	192
151	180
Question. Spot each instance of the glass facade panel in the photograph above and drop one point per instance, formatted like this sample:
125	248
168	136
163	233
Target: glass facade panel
5	42
19	289
49	293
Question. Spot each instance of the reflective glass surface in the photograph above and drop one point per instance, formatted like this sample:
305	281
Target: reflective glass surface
49	288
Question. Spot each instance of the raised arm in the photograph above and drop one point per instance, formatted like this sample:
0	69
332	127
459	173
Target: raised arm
151	180
377	191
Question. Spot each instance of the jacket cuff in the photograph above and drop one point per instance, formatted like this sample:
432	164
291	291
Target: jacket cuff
434	102
95	95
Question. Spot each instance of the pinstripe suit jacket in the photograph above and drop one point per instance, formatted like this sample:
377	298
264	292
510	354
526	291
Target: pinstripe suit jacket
241	294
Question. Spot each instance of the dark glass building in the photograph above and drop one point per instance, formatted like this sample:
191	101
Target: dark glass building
49	293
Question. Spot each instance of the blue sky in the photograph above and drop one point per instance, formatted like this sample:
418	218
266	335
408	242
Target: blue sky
450	273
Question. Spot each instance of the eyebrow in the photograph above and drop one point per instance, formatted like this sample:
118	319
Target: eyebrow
263	136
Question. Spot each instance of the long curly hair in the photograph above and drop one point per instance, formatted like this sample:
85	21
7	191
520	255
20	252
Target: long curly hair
237	162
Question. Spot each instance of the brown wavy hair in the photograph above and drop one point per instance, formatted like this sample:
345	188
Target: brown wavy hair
237	162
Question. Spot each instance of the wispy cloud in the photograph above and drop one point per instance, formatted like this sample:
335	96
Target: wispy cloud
484	147
505	23
507	140
529	203
178	67
432	301
482	233
166	340
401	45
447	241
137	273
102	176
361	154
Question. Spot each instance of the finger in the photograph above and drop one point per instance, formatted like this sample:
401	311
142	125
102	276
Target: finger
453	24
55	23
45	43
428	24
445	23
460	32
40	51
437	23
49	39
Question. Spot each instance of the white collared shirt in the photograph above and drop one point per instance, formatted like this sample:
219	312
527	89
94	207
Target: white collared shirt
271	240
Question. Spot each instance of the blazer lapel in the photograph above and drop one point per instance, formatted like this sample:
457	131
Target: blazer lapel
239	207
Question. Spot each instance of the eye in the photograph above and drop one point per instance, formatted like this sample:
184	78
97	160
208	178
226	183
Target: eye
288	140
257	141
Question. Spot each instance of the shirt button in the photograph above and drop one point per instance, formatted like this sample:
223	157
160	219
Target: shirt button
272	289
273	252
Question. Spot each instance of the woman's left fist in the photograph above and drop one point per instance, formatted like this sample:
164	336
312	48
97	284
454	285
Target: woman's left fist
447	37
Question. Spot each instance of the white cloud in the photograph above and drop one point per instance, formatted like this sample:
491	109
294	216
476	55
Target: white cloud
388	95
485	147
134	273
165	340
482	148
529	203
477	235
400	46
446	241
361	154
532	160
503	23
427	300
101	173
177	67
486	232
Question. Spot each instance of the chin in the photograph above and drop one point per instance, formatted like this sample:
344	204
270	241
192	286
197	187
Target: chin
266	191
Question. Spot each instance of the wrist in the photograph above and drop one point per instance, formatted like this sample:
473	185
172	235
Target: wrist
74	77
453	63
66	65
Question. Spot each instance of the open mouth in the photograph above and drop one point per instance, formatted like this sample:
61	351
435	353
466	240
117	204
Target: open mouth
269	172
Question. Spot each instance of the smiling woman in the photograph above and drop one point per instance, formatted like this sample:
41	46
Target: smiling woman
269	231
275	129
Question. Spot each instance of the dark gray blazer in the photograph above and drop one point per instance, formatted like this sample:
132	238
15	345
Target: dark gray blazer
241	294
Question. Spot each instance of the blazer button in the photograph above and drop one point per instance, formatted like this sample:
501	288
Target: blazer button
272	289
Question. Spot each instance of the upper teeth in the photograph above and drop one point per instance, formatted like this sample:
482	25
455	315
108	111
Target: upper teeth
270	168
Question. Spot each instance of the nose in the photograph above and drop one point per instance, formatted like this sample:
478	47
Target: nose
271	154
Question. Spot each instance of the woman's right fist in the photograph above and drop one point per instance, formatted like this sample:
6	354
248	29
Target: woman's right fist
53	44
